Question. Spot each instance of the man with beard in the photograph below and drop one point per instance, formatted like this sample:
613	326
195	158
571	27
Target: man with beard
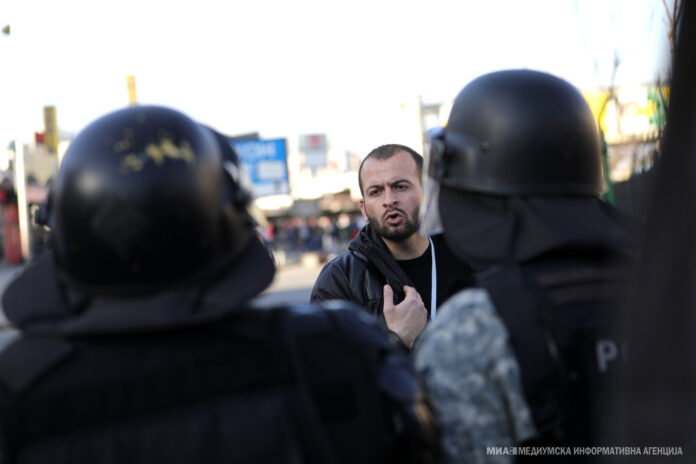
389	269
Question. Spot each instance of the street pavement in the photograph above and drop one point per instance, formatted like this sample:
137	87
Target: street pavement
292	283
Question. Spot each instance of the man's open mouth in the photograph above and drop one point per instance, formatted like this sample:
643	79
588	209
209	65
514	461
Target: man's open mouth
393	217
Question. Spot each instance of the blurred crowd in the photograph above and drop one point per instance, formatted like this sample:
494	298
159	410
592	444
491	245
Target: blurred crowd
327	235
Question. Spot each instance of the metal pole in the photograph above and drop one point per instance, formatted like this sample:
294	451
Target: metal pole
21	188
22	207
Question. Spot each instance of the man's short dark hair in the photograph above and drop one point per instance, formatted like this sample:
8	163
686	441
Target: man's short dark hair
384	152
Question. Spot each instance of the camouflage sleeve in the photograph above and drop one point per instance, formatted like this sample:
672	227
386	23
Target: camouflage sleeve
469	369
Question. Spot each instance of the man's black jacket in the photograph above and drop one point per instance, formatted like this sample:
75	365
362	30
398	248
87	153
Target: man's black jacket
359	275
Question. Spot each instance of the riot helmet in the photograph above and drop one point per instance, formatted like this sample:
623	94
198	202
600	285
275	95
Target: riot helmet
515	133
143	200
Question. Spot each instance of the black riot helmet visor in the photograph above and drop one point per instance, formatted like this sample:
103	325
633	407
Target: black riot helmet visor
437	161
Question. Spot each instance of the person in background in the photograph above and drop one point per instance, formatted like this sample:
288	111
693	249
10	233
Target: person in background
528	356
389	269
138	340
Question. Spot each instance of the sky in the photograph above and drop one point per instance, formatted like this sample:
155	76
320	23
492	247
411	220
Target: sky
290	67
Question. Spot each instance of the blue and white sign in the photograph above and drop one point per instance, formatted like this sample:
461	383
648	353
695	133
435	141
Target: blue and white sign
265	163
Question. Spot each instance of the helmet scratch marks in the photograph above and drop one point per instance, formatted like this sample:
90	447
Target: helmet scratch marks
159	153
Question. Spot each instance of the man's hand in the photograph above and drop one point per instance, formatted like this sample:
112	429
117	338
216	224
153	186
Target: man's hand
407	318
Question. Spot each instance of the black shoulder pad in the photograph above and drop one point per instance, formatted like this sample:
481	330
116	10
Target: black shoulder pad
26	359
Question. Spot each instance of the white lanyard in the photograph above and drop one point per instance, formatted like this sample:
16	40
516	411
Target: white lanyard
433	285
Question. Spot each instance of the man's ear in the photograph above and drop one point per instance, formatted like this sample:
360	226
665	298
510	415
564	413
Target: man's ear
362	209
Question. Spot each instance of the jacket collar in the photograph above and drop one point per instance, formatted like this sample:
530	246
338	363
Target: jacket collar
371	245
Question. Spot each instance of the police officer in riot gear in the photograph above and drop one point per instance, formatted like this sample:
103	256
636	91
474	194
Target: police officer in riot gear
138	343
513	180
